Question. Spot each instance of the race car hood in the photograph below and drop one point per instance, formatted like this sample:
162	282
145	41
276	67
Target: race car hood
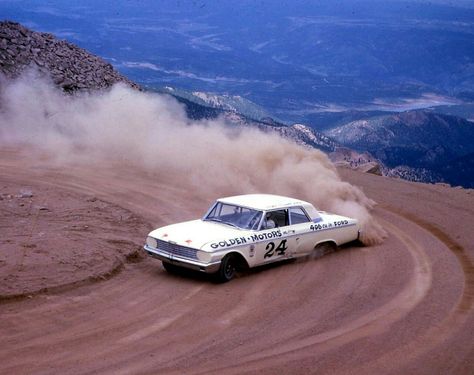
198	233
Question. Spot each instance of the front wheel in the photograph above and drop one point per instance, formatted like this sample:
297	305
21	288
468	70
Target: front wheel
227	269
171	268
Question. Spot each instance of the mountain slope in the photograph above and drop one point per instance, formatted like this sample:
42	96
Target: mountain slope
459	170
232	103
416	139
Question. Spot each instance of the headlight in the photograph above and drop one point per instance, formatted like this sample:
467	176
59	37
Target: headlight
203	256
150	241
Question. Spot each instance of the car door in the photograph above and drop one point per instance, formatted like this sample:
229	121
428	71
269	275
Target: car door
275	239
300	231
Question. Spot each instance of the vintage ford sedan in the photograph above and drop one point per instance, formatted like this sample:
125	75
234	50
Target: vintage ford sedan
247	231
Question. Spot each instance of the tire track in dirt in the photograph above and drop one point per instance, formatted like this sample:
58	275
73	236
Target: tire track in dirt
467	300
459	314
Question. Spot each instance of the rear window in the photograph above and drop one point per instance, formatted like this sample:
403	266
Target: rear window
298	216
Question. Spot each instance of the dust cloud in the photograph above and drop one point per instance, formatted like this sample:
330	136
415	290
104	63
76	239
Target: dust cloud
152	132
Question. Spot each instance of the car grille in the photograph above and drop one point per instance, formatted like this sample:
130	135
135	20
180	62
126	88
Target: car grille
182	251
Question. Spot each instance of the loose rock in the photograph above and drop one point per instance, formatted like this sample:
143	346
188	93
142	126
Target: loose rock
26	194
63	62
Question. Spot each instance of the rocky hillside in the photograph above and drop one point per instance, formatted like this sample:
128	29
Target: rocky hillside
298	133
231	103
70	67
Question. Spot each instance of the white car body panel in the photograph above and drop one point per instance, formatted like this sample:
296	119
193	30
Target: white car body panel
201	244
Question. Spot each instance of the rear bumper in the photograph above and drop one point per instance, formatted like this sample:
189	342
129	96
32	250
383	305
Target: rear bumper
182	262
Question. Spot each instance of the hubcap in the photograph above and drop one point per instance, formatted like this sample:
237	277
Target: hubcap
229	269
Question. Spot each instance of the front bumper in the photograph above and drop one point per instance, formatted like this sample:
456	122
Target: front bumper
182	262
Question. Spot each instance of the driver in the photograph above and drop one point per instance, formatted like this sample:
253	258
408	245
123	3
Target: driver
269	223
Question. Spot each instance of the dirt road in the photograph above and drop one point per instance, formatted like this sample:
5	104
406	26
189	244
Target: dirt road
402	307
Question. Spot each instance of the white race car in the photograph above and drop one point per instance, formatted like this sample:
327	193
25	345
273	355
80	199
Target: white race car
248	231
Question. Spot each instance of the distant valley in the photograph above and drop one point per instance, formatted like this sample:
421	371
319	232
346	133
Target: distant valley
296	59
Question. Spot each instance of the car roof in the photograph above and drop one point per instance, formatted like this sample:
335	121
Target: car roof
263	201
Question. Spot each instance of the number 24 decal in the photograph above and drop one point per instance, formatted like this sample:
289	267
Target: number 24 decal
279	250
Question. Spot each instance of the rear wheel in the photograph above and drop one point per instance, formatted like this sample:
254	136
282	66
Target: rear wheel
323	249
227	269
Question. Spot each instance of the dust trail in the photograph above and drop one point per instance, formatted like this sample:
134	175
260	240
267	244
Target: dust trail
152	132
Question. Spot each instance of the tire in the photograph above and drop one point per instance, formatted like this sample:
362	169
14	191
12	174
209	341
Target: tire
171	268
227	269
323	249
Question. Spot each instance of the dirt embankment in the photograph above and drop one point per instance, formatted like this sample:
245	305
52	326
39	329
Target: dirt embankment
53	238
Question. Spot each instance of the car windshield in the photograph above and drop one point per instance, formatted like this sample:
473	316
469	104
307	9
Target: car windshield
236	216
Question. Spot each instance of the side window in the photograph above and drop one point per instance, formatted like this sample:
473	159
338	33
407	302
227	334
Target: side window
298	216
275	219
